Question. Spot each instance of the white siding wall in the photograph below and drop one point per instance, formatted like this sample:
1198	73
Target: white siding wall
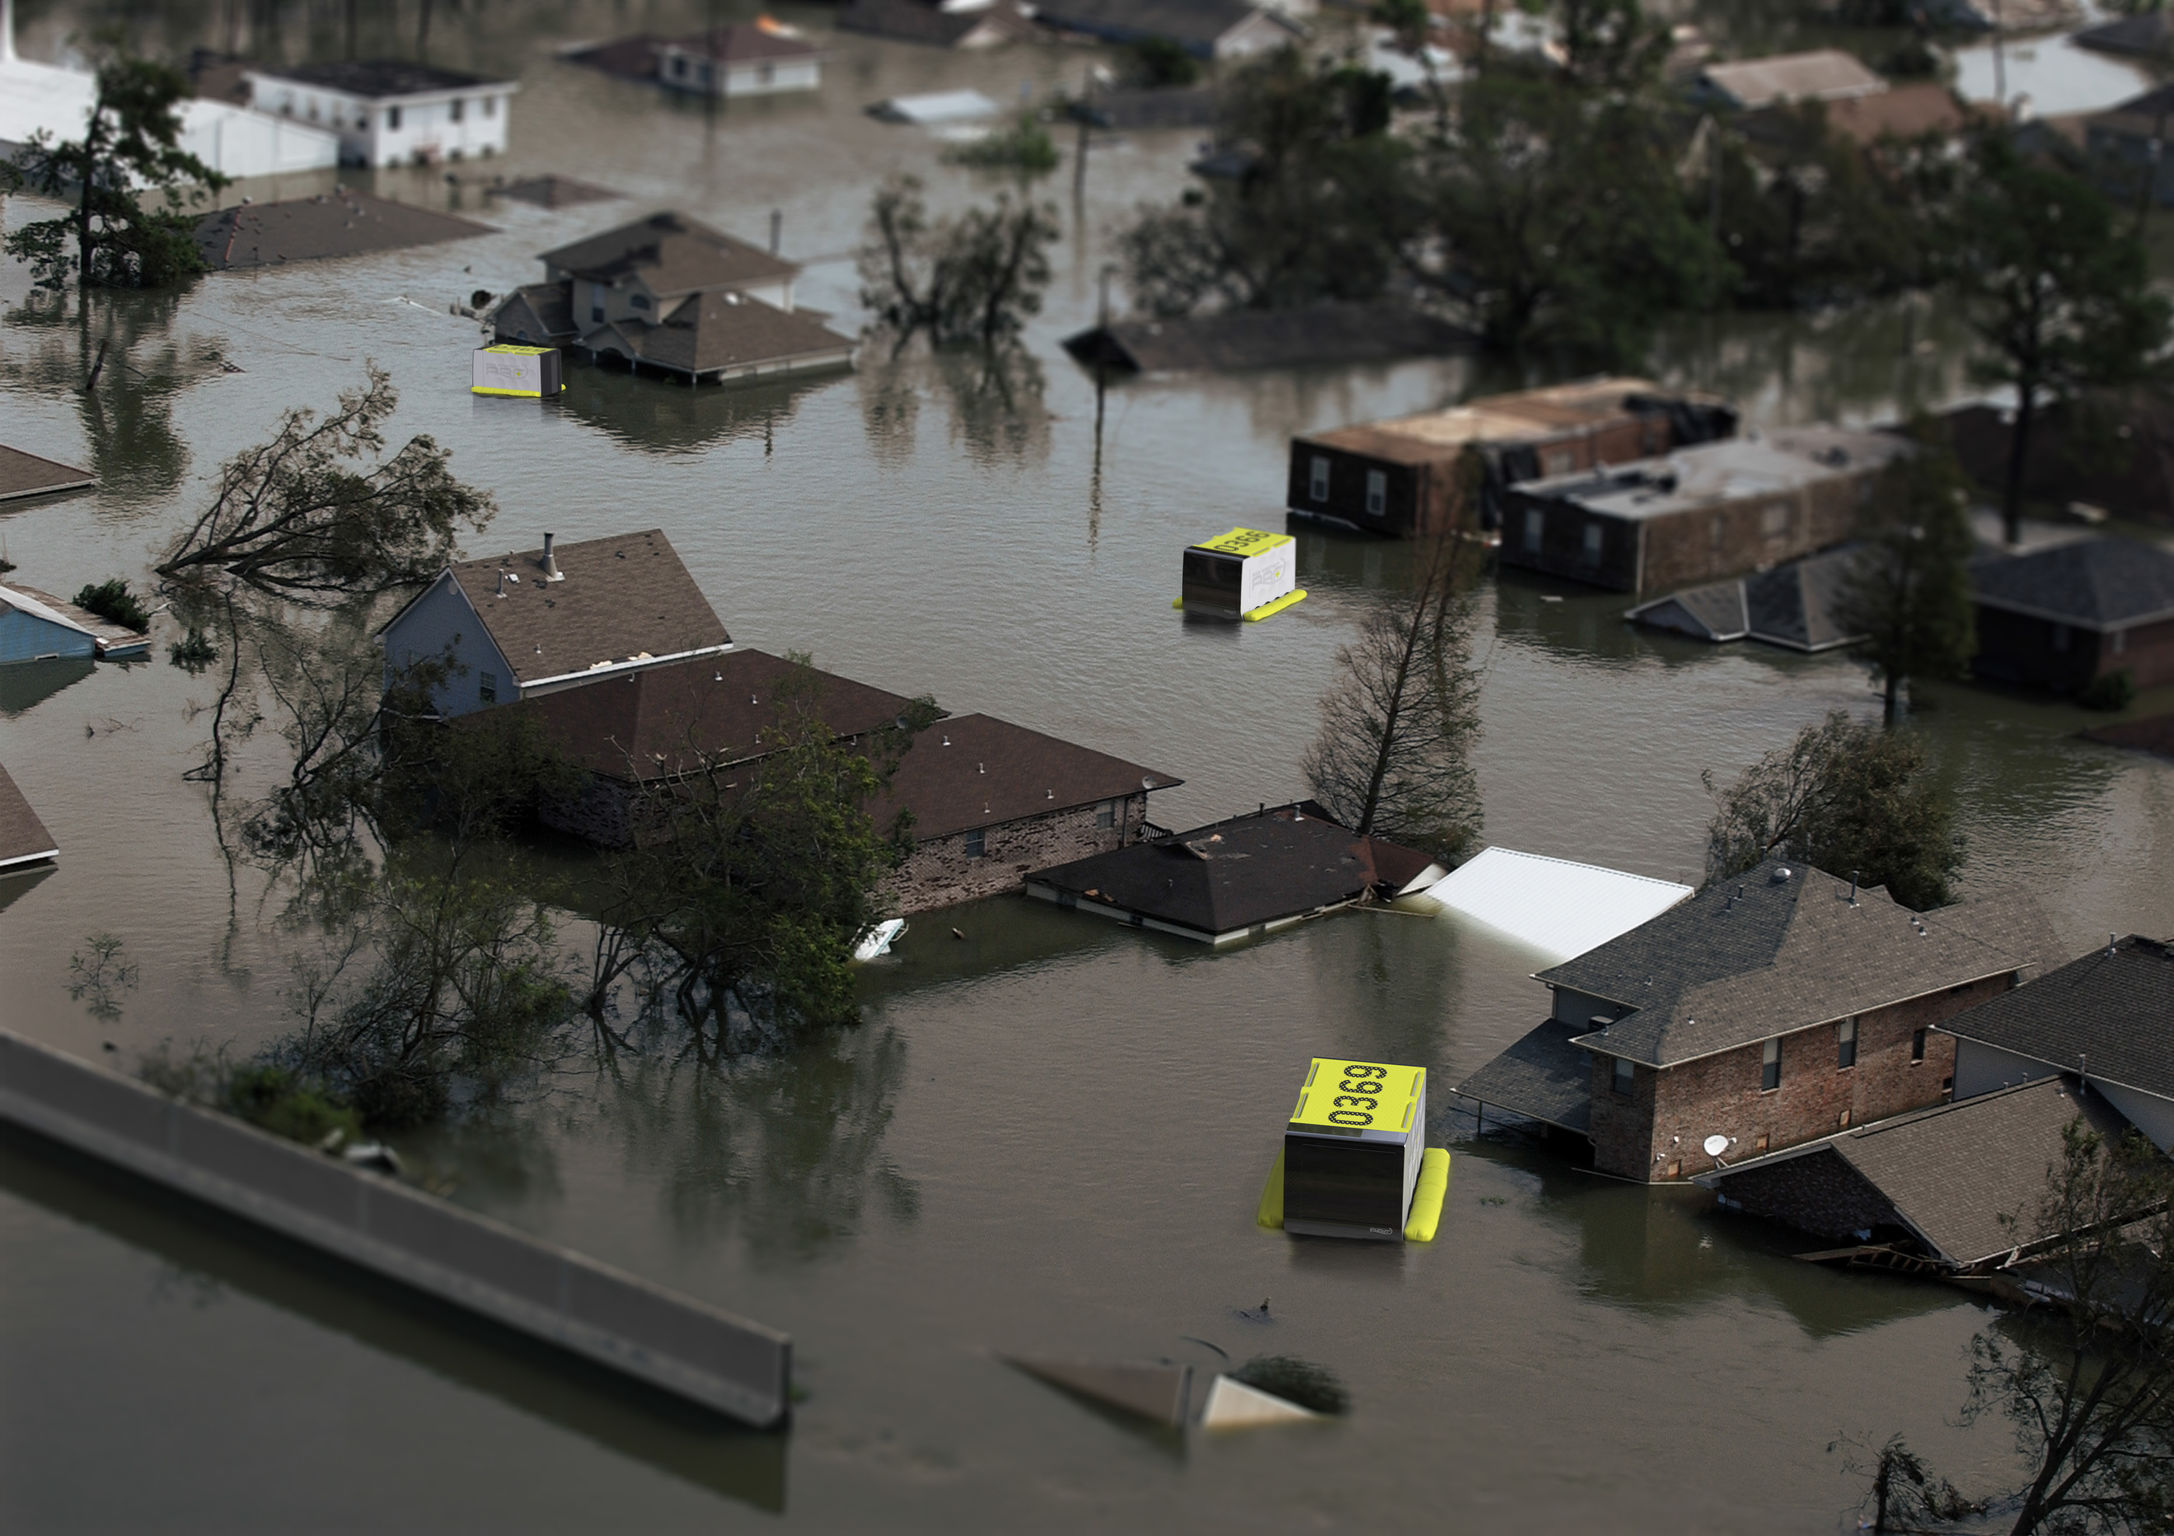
1980	1068
366	135
441	621
684	71
2148	1112
1578	1008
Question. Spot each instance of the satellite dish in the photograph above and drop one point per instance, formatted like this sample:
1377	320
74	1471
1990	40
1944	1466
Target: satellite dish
1716	1145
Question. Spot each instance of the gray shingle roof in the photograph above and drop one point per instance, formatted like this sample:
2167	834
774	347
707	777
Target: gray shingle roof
671	253
623	597
1792	605
23	838
25	474
716	330
2110	1013
1953	1172
1198	24
2091	583
1748	959
978	771
379	78
1543	1075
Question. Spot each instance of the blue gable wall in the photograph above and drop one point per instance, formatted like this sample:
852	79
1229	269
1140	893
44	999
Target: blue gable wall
26	637
442	622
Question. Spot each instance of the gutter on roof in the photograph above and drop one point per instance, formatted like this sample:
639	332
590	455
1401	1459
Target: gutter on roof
631	664
29	858
2007	605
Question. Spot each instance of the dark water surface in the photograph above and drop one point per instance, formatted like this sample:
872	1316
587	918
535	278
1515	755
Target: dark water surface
1049	1136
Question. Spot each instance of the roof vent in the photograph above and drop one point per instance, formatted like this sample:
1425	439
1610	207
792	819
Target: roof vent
947	741
1781	875
550	561
981	767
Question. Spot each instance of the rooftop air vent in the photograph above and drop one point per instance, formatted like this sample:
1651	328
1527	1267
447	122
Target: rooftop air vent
1781	875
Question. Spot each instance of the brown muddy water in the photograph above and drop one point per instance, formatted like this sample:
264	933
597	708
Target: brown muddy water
1049	1136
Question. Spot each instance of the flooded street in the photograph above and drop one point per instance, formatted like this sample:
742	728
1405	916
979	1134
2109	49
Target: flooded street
1050	1134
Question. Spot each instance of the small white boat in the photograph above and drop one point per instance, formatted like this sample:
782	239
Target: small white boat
877	940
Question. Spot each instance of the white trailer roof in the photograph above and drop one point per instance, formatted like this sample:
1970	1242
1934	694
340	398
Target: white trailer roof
934	107
1555	906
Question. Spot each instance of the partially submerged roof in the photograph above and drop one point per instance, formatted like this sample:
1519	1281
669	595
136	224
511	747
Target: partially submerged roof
1196	25
1526	416
25	474
1716	473
626	598
342	222
1254	338
745	41
47	610
112	641
2150	33
2096	584
978	771
931	108
671	254
724	330
23	838
1553	905
2109	1015
660	722
944	26
551	190
380	79
1795	605
1543	1076
1949	1175
1781	948
536	312
1230	876
1821	74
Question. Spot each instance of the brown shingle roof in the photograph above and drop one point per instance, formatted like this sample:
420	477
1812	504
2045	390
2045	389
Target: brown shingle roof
25	474
623	597
536	313
343	223
671	253
1758	956
23	838
1526	416
743	40
726	330
662	721
978	771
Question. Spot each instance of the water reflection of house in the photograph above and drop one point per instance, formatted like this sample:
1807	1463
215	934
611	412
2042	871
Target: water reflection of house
1769	1010
391	112
539	621
1407	475
671	293
1238	879
1698	513
2064	617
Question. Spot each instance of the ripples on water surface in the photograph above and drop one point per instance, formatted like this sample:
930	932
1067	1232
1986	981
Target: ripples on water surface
1050	1135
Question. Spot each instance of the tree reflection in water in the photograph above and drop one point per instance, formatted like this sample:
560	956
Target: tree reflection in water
659	416
782	1149
128	417
995	393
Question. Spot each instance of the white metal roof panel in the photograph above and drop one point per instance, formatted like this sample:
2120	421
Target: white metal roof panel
1555	906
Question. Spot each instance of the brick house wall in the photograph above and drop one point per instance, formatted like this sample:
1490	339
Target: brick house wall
1817	1193
940	872
2036	652
1656	1133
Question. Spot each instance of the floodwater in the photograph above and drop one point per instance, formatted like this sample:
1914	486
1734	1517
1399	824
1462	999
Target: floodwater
1050	1134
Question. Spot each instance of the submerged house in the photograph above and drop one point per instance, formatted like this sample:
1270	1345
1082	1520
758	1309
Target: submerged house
989	800
756	58
390	112
1770	1010
1698	513
1405	475
1820	74
539	621
1328	332
2107	1018
964	24
1796	605
1206	29
669	292
25	474
1238	879
37	626
24	842
2064	617
1934	1192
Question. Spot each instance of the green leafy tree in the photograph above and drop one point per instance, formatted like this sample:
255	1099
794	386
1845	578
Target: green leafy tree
1843	796
1158	63
977	277
1308	207
321	514
2057	288
130	147
1908	590
1398	724
1554	215
1612	45
1024	149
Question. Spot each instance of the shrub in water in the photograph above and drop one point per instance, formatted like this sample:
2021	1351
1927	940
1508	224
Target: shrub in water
113	601
2114	691
277	1100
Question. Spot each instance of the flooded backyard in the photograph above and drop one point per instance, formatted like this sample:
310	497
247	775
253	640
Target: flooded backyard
1050	1134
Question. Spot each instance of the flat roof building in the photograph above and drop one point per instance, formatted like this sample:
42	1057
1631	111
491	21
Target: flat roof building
390	112
1408	475
1701	512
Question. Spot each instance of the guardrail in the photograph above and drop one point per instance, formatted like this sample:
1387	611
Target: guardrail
677	1344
